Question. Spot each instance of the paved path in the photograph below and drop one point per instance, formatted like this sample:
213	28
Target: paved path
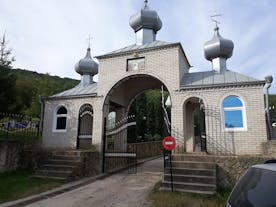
119	190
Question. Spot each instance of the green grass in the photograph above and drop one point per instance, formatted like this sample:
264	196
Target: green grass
18	184
175	199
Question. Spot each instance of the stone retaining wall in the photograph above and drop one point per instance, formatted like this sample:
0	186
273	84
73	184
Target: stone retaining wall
231	168
91	163
11	153
269	148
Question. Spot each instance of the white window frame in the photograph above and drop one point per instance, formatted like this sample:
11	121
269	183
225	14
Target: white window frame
239	108
55	120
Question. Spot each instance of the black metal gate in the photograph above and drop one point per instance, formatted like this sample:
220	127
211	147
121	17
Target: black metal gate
84	139
202	129
117	154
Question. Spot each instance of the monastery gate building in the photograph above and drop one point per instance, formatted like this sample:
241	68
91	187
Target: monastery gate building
231	104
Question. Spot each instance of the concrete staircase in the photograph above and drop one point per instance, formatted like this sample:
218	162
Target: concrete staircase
191	174
60	165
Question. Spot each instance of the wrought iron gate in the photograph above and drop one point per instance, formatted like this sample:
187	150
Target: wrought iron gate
84	139
117	154
202	129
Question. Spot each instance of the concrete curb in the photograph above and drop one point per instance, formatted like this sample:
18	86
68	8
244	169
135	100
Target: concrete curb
66	187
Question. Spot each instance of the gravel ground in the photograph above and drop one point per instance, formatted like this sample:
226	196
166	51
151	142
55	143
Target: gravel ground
119	190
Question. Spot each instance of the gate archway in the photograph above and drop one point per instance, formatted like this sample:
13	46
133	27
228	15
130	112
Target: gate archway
118	100
85	129
194	125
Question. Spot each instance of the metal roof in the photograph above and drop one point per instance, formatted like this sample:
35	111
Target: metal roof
270	166
78	90
211	78
218	47
87	65
132	48
145	18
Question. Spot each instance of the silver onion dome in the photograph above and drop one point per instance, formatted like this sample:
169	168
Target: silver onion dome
87	66
218	47
145	18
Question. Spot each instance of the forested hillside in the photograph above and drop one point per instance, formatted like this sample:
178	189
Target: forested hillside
272	100
20	89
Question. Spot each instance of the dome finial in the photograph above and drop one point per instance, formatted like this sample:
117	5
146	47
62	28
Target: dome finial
214	19
218	49
146	4
86	66
145	23
89	40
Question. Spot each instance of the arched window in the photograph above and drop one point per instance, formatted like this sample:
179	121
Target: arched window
60	119
233	113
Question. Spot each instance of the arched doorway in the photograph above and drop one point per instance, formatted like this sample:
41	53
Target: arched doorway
85	129
116	145
194	125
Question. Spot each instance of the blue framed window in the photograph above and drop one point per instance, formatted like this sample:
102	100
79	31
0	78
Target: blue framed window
233	113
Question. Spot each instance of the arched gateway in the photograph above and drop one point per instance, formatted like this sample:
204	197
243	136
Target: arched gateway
227	105
116	146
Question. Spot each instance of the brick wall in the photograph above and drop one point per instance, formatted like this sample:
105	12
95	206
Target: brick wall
238	142
68	139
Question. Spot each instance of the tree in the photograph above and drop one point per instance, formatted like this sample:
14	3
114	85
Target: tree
7	90
149	117
5	53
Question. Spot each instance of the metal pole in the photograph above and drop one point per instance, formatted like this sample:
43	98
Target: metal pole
267	112
104	143
268	80
171	170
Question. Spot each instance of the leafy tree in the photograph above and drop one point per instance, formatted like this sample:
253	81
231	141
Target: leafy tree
5	53
7	90
272	100
149	117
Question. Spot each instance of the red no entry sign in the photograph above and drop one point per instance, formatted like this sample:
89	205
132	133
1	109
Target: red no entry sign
169	143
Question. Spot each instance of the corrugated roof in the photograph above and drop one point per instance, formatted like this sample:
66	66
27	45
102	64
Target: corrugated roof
211	78
78	90
134	47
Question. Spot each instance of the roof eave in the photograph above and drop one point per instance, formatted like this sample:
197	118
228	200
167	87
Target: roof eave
70	96
222	85
144	50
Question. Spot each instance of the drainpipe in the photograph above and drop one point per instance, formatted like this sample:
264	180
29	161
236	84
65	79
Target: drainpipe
268	81
41	102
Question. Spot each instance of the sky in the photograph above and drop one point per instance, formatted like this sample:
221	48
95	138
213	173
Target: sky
50	36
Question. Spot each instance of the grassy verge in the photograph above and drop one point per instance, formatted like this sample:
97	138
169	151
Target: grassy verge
18	184
175	199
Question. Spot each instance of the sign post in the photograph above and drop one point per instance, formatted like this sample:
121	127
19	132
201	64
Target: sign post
169	144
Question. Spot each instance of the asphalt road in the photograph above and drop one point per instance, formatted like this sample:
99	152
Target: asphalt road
119	190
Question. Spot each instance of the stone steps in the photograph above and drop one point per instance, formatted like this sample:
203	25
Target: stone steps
57	167
191	174
60	165
191	157
53	161
191	178
191	186
67	153
193	164
189	171
66	157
